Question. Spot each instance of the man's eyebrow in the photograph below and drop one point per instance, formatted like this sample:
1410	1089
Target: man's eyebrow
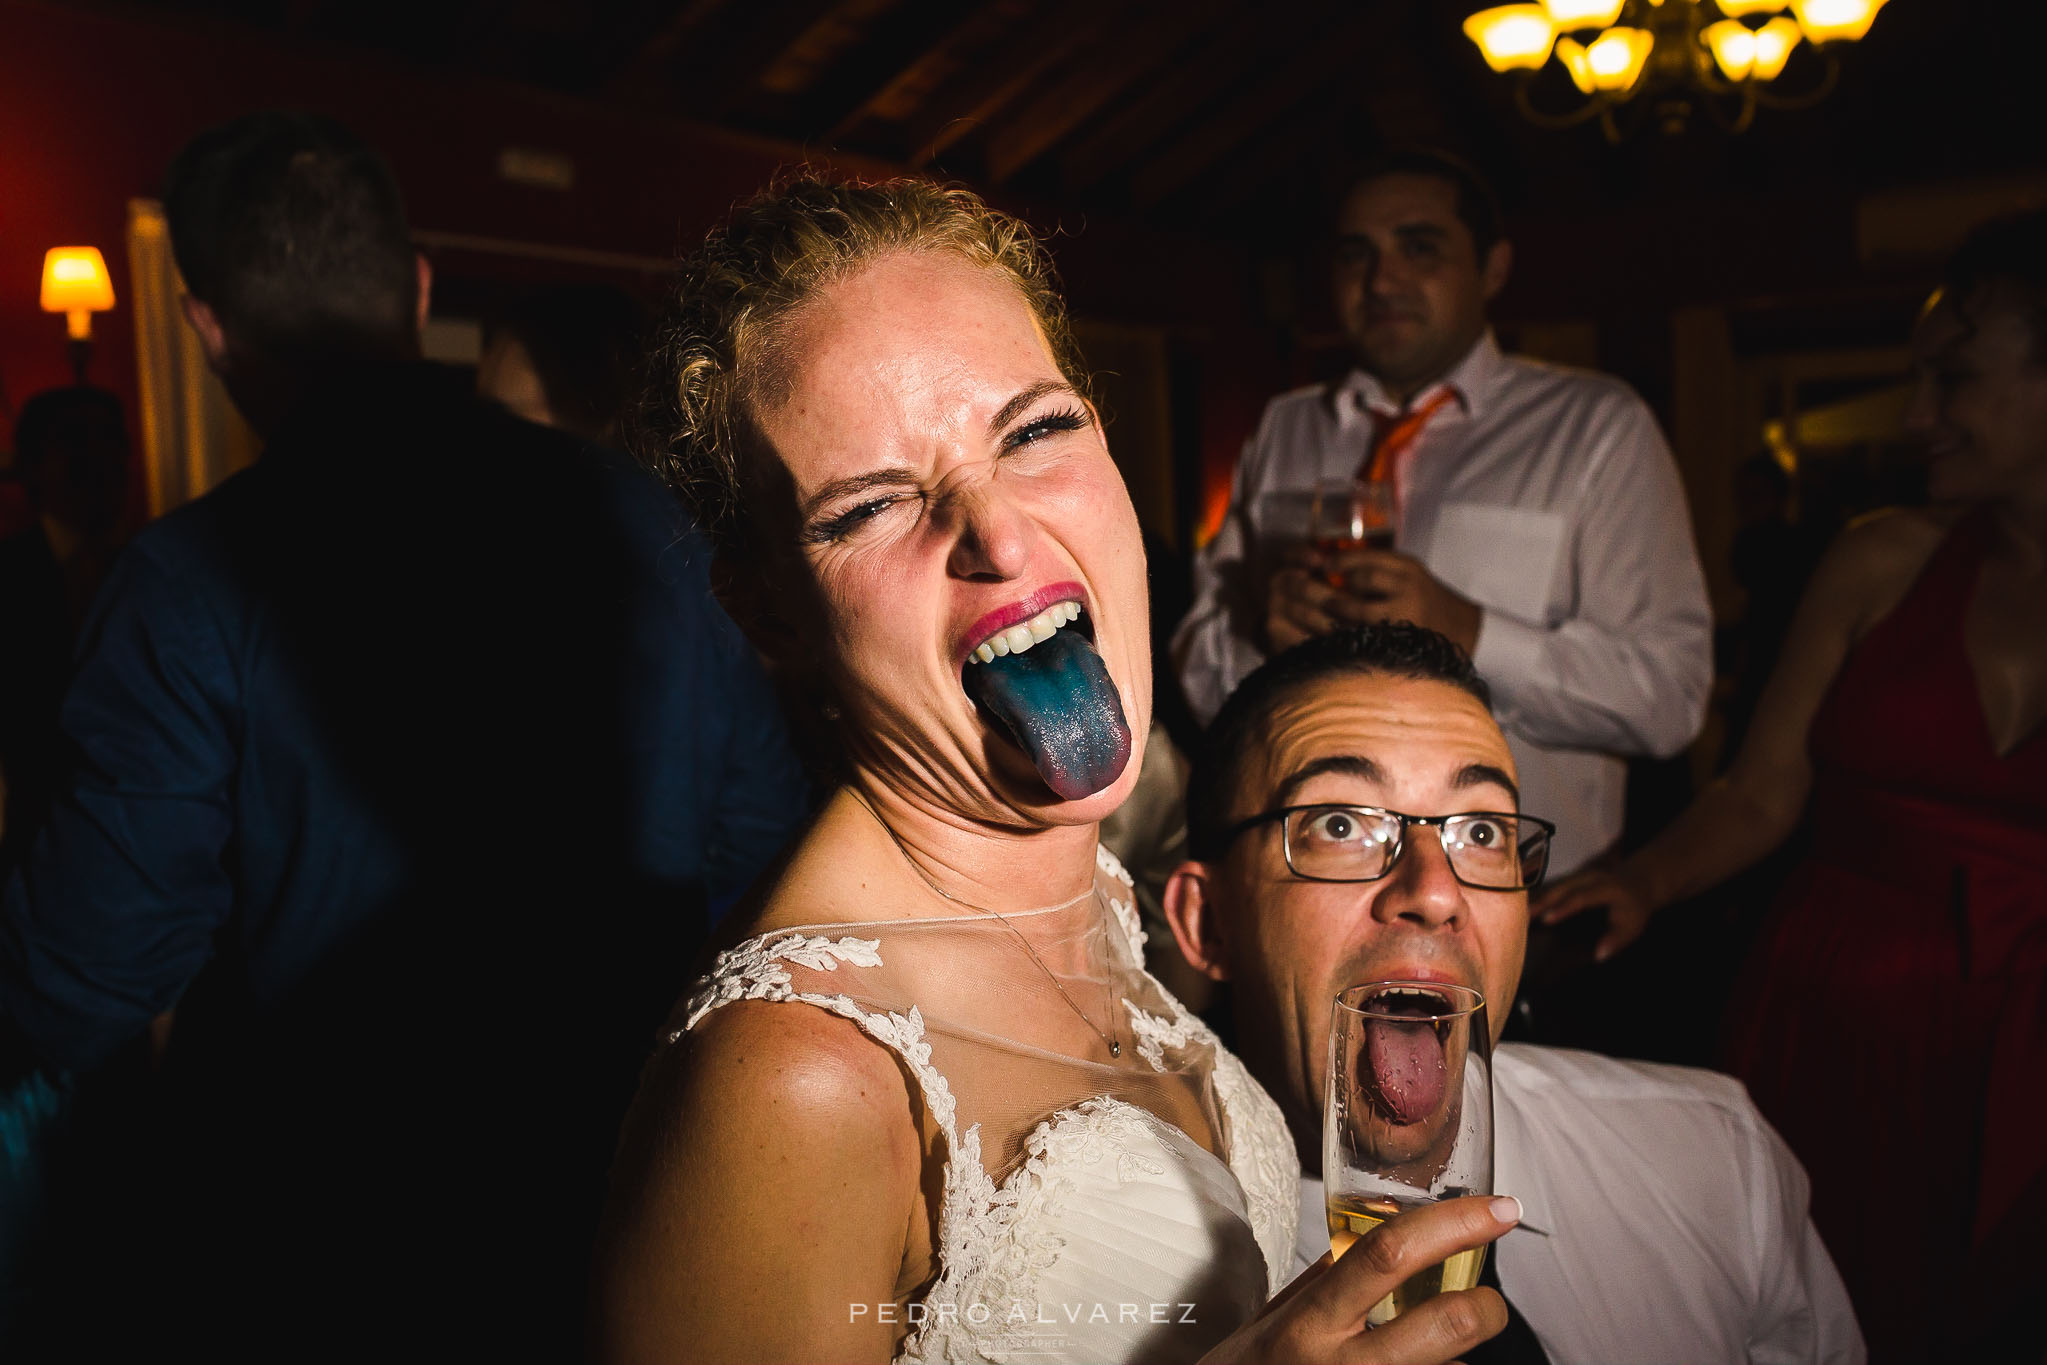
1014	408
1421	231
1355	765
855	483
1484	774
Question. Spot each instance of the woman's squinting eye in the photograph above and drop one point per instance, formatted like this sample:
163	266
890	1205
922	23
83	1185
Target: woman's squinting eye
1052	424
838	527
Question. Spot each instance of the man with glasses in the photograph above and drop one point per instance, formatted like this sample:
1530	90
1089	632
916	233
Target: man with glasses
1353	816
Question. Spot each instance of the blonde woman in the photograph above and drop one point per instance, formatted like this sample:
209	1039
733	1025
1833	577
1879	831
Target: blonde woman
933	1108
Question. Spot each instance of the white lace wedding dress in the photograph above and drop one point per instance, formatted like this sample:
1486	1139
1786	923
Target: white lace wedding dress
1136	1209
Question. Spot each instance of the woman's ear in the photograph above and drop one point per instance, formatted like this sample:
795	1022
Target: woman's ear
1193	914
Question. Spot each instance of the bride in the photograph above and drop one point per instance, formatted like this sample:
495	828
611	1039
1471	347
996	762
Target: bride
933	1108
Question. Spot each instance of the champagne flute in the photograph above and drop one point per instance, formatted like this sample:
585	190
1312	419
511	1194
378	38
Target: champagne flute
1408	1119
1351	514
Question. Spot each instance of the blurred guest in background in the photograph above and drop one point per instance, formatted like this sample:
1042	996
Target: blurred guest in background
1662	1220
1894	1020
568	357
1541	523
71	456
409	760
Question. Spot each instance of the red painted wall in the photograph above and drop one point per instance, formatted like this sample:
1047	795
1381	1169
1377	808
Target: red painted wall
92	107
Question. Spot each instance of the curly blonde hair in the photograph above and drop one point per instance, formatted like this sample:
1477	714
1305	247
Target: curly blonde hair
716	354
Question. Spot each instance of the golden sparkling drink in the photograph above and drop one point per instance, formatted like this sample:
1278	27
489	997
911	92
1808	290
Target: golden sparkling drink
1352	1216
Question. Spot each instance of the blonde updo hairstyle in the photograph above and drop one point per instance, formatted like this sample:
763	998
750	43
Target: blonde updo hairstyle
719	355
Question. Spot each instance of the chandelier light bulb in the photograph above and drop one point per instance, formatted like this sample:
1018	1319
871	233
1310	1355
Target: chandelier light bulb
1571	53
1733	47
1567	15
1741	9
1617	57
1774	42
1826	21
1512	36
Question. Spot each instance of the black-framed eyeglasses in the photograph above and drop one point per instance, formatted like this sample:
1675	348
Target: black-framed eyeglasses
1487	850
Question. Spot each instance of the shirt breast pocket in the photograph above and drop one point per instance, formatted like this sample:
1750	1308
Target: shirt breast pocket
1503	558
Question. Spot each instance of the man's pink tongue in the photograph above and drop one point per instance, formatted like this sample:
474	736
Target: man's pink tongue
1408	1072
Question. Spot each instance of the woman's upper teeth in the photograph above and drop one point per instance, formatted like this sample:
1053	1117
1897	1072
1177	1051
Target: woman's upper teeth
1021	637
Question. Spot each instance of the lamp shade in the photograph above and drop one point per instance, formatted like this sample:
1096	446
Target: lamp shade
1774	42
75	280
1617	57
1566	15
1826	21
1738	9
1734	48
1571	53
1512	36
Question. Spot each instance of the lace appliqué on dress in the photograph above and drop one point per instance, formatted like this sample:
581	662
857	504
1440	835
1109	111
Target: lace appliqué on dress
1261	1149
995	1241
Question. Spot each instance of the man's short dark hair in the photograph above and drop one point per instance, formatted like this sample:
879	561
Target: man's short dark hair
2006	259
1396	649
292	230
1477	206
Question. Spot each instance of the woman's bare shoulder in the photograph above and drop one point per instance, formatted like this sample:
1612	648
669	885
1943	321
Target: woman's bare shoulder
757	1080
1902	536
1874	561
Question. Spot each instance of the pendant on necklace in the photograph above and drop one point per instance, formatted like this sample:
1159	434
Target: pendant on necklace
1115	1049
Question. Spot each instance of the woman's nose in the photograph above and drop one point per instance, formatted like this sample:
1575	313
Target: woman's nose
991	536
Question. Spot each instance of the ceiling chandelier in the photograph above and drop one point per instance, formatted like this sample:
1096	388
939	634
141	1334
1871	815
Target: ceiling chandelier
1723	54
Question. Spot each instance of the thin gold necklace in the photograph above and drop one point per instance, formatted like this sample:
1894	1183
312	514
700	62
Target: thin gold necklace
1108	1039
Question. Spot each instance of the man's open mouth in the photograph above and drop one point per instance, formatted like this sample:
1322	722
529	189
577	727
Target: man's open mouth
1403	1054
1044	686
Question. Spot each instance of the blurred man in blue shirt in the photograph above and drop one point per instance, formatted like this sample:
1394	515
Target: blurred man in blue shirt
408	763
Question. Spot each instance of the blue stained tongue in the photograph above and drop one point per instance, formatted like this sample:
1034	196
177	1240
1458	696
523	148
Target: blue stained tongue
1057	702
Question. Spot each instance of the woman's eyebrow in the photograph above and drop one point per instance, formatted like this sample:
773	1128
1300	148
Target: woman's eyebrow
854	483
1014	408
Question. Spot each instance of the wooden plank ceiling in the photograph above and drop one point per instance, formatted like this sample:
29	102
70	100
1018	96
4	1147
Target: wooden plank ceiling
1180	108
1210	114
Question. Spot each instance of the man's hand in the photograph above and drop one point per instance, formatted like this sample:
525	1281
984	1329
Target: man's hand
1300	602
1628	905
1321	1315
1396	587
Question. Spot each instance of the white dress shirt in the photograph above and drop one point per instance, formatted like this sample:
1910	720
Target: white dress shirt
1548	497
1662	1219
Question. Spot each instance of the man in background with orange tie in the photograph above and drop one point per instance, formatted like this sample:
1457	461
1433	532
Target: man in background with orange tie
1538	517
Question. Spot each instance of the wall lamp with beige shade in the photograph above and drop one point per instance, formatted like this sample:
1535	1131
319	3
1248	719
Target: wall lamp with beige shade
76	284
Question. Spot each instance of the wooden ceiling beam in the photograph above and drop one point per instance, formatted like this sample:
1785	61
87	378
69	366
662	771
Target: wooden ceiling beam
1126	55
1326	58
724	71
877	60
965	103
910	84
1192	81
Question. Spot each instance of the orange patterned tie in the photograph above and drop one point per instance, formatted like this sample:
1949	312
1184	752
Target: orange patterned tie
1393	433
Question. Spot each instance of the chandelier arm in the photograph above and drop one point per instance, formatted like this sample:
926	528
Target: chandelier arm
1828	80
1594	107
